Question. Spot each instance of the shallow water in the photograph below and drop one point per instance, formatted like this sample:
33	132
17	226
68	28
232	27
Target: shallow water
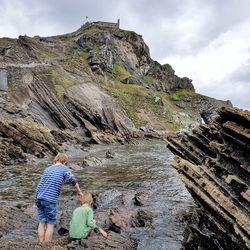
141	167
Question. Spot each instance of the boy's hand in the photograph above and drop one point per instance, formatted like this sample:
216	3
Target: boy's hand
80	194
103	233
78	190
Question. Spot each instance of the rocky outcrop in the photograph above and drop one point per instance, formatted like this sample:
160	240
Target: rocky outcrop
213	162
98	83
34	113
114	46
41	90
166	80
127	49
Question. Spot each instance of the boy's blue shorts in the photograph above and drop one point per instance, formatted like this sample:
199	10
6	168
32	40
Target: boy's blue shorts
46	211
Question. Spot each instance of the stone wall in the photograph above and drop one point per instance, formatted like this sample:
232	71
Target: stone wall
3	80
107	24
102	24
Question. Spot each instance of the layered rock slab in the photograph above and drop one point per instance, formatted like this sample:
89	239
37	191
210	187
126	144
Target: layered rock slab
213	161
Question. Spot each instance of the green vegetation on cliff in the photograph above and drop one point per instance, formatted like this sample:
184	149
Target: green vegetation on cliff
119	72
76	61
176	96
140	105
61	81
5	41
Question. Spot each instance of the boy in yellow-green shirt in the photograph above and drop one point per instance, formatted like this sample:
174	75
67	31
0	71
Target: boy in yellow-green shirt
82	223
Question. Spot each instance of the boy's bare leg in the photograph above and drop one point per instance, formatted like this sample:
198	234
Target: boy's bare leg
41	231
49	232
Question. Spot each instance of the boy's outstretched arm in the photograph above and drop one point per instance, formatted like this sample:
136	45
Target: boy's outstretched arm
72	179
78	190
91	224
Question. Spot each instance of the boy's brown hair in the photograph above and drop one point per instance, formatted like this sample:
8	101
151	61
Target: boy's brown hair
86	198
61	157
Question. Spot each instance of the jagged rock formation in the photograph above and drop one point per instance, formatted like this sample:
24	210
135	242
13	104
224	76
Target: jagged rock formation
167	80
213	162
127	49
115	47
96	84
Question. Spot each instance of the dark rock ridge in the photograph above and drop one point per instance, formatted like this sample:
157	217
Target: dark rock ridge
213	162
166	79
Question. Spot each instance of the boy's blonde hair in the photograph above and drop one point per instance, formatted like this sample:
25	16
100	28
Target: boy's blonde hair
61	157
86	198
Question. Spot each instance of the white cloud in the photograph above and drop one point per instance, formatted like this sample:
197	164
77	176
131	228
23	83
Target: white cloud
211	67
203	40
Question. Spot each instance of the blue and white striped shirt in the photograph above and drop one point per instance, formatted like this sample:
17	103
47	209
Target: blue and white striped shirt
51	182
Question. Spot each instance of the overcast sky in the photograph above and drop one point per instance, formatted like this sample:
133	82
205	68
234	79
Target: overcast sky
205	40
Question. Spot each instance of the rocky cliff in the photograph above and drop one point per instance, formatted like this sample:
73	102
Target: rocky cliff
96	84
213	162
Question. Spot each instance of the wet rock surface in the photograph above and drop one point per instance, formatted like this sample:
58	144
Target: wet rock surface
153	225
142	197
213	162
18	229
142	219
113	241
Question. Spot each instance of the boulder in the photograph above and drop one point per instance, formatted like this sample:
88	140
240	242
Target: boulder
132	80
142	197
109	199
110	154
142	219
89	161
119	219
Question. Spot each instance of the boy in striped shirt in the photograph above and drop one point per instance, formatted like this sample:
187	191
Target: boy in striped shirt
48	192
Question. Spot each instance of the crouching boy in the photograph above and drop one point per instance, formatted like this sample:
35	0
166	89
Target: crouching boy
82	224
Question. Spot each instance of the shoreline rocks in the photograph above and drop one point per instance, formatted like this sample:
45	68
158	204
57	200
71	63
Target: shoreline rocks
213	162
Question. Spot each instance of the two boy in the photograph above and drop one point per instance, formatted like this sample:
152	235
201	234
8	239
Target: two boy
47	195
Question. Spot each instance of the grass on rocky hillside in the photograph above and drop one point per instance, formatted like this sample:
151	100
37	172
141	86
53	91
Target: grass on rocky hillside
119	72
176	96
215	102
5	41
139	105
138	102
76	61
61	81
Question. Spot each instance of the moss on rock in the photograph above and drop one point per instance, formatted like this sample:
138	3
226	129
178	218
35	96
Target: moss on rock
61	81
36	132
140	106
119	72
5	41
